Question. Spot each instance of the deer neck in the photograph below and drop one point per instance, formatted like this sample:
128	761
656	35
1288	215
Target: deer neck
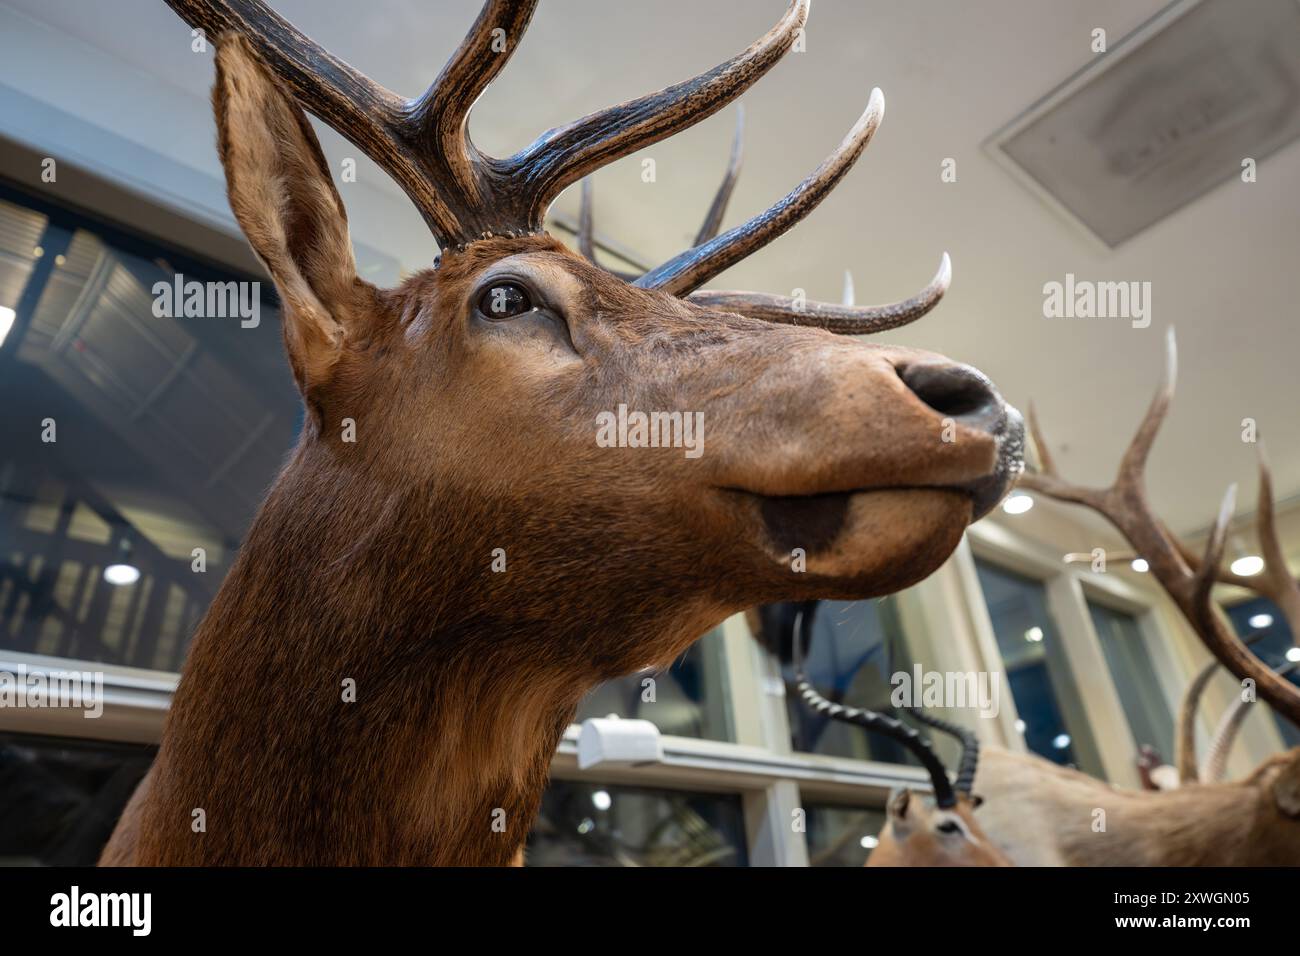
335	710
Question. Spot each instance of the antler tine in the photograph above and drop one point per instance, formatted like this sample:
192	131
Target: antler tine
437	121
585	223
844	319
347	100
1225	734
1048	480
1277	583
694	267
1220	639
1185	744
562	156
1130	477
718	208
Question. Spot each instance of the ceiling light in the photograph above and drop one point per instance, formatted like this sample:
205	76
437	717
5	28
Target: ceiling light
1293	655
1061	741
122	571
1017	504
869	842
1020	726
1248	566
1261	621
120	574
601	800
1034	635
1140	565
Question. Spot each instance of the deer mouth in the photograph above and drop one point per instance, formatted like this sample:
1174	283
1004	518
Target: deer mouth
815	521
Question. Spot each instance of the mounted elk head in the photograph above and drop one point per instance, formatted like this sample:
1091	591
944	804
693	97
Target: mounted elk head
475	558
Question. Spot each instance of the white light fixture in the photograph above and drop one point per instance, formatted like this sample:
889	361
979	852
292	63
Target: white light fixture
601	800
1261	621
1293	655
1140	565
1061	741
1034	635
120	574
1248	566
869	842
1018	504
1020	726
7	316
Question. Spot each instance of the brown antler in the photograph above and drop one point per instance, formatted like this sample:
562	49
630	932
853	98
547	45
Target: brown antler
712	220
846	319
1186	580
463	194
692	268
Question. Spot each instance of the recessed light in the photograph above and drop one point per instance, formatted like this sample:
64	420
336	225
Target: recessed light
1034	635
121	574
601	800
1061	741
1140	565
1020	726
1018	504
1248	566
1293	655
869	842
1261	621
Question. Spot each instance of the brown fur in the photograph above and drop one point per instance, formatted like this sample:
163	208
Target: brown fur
1043	814
371	560
912	836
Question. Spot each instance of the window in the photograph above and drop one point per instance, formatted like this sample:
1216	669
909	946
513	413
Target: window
1129	661
60	799
1038	675
166	432
588	824
1274	642
687	700
855	647
841	836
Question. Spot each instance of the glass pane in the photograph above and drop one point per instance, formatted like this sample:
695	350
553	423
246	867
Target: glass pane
856	647
1129	661
1038	674
167	431
841	836
1260	617
587	824
60	799
688	700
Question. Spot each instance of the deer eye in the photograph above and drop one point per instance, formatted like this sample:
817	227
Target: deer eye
504	300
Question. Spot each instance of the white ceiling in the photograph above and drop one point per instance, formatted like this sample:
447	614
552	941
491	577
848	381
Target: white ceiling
953	73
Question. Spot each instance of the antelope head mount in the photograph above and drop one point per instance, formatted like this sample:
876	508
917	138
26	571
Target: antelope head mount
918	831
474	560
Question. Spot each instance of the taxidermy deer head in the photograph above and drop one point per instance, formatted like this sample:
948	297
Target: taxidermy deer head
474	560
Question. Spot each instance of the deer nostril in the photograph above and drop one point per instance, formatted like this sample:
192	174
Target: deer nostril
958	391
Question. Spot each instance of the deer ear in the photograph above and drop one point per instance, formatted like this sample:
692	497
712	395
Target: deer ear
285	201
899	801
1286	788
